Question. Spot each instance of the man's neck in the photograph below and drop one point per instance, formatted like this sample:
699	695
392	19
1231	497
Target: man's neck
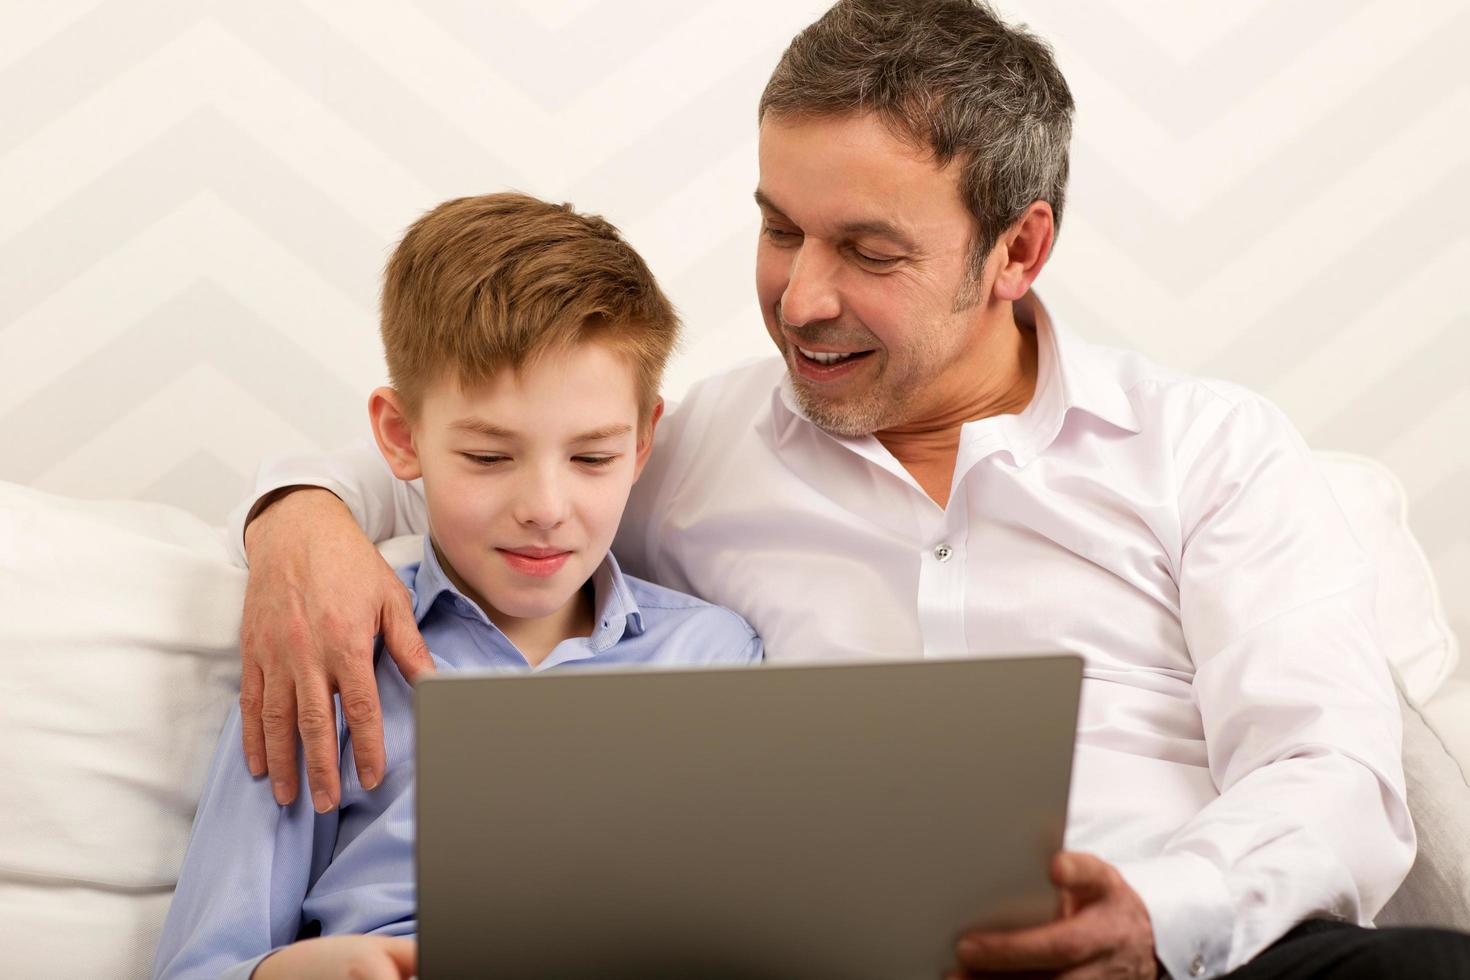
996	376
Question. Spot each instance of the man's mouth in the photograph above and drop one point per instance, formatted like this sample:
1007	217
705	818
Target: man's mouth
827	358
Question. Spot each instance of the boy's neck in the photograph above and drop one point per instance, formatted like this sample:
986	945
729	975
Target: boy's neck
533	638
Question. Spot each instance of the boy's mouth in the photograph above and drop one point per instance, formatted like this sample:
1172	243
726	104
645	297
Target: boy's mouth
533	561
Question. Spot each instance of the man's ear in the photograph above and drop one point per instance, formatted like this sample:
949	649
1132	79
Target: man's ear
1022	251
394	433
645	438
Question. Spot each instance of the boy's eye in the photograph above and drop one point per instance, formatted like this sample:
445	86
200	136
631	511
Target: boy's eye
484	459
594	460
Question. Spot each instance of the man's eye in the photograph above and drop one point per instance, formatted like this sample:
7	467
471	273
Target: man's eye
594	460
484	459
873	260
780	236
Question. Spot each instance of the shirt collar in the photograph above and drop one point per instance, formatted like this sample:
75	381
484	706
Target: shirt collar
1069	374
615	611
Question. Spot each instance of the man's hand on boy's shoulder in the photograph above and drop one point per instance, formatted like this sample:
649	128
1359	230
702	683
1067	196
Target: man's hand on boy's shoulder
339	595
360	957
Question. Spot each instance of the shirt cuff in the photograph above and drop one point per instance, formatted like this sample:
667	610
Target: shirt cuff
235	526
1190	908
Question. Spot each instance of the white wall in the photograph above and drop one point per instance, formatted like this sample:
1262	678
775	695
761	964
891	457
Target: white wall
196	201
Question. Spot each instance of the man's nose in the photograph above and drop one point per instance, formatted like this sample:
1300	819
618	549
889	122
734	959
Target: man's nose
811	292
541	499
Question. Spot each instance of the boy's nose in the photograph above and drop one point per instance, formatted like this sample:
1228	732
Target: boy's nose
541	503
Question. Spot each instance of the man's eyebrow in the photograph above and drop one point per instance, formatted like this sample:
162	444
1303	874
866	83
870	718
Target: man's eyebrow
763	201
481	427
851	229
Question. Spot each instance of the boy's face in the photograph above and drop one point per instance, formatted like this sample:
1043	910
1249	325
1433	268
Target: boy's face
526	477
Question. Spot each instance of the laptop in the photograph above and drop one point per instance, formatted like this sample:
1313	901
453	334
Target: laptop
842	822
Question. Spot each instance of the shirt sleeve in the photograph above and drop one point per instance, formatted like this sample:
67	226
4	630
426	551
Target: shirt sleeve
246	872
1301	723
383	505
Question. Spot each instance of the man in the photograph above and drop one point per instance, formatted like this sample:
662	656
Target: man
934	468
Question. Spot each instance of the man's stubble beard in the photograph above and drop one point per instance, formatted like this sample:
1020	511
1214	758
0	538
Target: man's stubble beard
891	401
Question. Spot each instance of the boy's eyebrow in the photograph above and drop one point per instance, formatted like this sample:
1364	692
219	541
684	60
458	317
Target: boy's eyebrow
871	226
481	427
606	432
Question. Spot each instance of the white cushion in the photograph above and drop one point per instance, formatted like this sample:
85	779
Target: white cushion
119	626
1416	637
1449	713
1437	889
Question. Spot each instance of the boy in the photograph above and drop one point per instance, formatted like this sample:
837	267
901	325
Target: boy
525	344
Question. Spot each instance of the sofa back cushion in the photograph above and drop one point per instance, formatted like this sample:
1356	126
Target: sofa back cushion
119	631
119	625
1416	636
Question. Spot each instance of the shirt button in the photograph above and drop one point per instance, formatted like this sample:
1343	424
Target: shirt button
943	553
1197	967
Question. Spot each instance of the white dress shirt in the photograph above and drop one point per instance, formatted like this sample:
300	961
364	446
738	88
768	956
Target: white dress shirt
1238	751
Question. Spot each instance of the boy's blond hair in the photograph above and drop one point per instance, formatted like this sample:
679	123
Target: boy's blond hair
484	283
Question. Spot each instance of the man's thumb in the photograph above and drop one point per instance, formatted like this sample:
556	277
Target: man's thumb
1076	871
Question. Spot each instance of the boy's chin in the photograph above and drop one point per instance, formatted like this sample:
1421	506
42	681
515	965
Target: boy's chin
531	603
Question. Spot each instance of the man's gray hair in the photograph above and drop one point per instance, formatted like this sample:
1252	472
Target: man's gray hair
948	75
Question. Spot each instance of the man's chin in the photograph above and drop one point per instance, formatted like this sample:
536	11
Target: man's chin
839	417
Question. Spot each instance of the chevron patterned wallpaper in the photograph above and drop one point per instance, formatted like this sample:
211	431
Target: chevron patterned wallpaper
197	199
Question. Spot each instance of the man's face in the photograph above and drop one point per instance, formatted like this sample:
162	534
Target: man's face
526	477
863	250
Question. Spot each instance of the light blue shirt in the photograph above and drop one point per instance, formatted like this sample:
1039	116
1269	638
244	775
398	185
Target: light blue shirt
257	876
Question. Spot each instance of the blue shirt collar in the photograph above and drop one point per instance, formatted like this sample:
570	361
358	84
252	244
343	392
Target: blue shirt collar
615	611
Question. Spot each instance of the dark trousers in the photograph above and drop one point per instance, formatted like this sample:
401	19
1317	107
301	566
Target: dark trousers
1319	948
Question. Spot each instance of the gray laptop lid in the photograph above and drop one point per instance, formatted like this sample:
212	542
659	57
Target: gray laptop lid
816	822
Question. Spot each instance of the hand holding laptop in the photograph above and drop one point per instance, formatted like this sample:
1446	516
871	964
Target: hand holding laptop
1101	922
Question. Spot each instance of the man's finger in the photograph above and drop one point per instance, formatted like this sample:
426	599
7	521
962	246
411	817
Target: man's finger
403	641
252	700
278	725
1102	968
1054	946
357	685
316	718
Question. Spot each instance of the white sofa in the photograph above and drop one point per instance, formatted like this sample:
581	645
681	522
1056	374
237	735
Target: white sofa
118	661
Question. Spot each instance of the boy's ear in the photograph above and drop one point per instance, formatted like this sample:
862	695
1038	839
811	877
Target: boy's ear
645	438
394	433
